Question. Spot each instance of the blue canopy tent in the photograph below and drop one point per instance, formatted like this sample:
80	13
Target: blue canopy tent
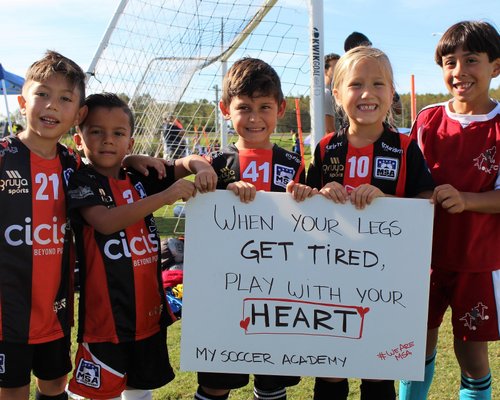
9	84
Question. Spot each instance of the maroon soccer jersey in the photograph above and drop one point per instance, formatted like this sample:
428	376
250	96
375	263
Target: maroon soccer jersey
36	298
463	151
122	297
268	170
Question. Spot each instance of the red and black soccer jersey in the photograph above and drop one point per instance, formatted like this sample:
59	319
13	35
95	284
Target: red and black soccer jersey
393	163
122	297
463	151
268	170
36	272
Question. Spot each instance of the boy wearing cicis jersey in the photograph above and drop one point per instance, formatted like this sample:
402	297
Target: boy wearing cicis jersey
460	140
365	160
252	99
123	313
36	298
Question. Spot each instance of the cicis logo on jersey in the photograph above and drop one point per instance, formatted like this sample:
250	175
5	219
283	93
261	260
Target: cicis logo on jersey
14	183
88	374
142	245
386	168
42	234
283	175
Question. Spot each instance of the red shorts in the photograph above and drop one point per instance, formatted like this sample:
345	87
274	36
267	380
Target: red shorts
104	370
474	299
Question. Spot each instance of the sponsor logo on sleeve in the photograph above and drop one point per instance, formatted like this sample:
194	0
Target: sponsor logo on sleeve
80	192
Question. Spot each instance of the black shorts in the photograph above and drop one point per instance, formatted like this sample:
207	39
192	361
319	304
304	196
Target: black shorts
234	381
145	362
48	361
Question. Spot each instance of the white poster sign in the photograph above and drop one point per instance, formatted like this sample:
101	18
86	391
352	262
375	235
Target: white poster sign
311	288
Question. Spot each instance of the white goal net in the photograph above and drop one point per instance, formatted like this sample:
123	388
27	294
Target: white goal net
167	58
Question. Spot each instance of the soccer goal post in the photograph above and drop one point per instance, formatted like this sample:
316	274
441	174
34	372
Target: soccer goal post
167	58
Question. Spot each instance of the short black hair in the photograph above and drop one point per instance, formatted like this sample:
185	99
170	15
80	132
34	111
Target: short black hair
475	36
108	100
356	39
329	57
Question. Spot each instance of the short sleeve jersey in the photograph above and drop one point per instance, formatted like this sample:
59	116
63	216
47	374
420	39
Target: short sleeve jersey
36	272
269	170
463	151
122	298
393	163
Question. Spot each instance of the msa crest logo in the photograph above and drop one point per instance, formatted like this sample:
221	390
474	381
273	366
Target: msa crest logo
282	175
2	363
88	374
386	168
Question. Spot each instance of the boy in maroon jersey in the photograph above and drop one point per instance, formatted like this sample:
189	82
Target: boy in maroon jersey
123	314
460	140
252	99
35	272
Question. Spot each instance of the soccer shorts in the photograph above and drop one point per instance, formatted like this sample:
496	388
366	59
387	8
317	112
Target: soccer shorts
48	361
234	381
104	370
474	299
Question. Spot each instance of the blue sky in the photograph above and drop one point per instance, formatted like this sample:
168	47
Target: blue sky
407	30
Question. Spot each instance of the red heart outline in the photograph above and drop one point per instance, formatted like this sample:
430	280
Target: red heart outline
244	323
362	311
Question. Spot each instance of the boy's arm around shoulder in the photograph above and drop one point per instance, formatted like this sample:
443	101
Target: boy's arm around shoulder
141	163
205	179
84	195
109	220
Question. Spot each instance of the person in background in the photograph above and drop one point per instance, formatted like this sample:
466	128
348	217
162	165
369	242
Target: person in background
331	121
295	141
174	143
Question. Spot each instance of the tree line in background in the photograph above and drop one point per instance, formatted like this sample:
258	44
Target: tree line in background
204	110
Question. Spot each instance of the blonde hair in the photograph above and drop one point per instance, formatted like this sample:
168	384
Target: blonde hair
350	59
